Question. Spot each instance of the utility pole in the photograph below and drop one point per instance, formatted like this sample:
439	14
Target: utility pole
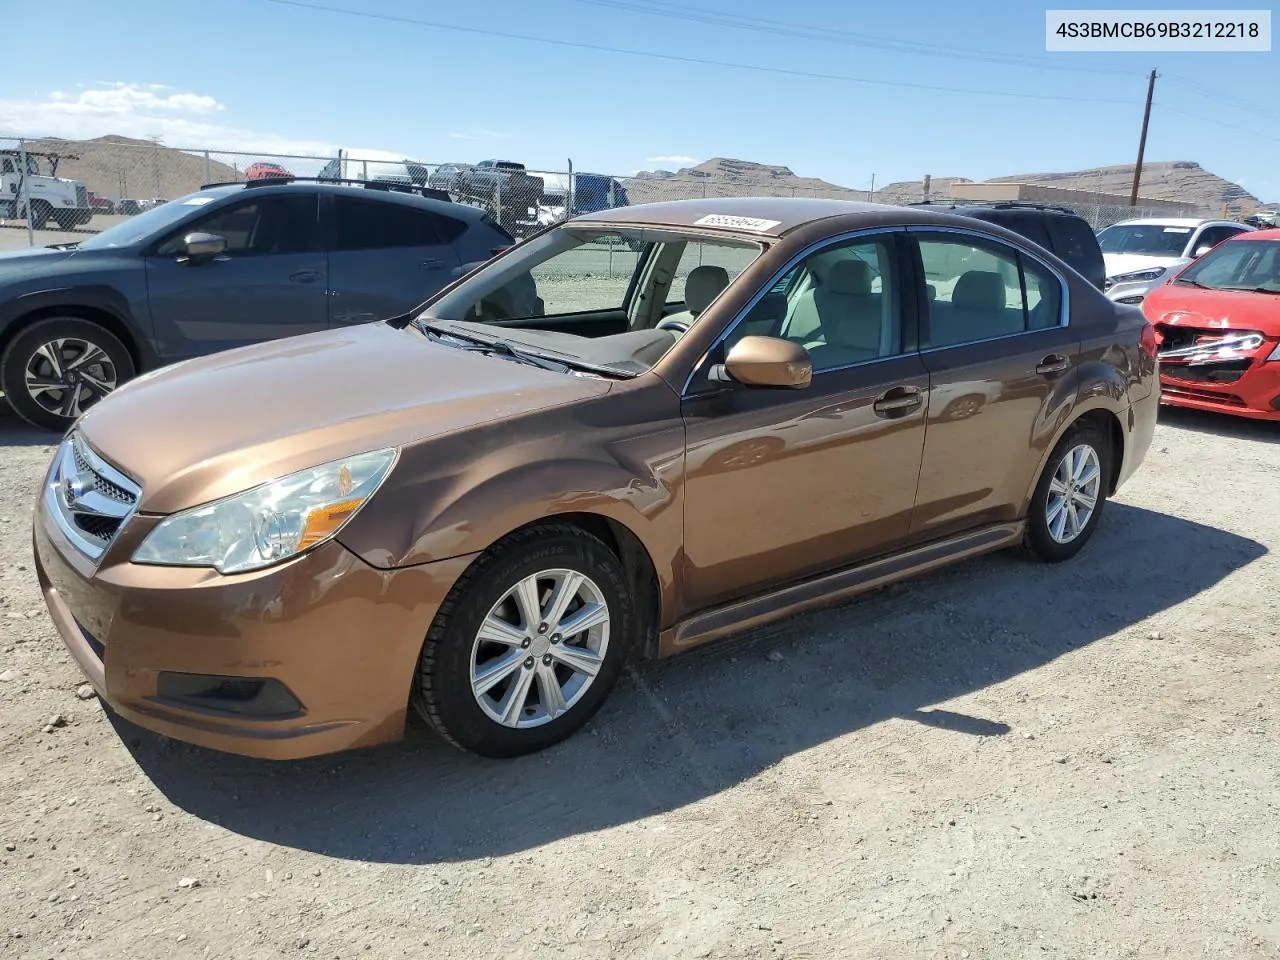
1142	141
871	194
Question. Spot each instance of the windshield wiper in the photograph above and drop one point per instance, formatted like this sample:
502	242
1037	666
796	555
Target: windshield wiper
1192	283
480	345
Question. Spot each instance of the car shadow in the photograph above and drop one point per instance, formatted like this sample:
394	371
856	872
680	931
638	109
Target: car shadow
1220	424
679	731
16	432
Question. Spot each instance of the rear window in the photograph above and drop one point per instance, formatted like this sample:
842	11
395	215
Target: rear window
1074	240
369	225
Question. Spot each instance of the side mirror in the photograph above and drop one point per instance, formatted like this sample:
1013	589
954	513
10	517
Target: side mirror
1203	249
203	246
768	362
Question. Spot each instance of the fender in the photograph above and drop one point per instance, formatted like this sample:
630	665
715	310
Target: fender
451	515
97	296
1098	386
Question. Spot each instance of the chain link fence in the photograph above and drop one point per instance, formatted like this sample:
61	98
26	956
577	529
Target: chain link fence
52	190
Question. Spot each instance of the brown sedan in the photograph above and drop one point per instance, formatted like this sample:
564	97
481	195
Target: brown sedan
638	431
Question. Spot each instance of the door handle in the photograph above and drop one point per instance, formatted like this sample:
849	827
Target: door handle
432	264
305	276
897	401
1051	365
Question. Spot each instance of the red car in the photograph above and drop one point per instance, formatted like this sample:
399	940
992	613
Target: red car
1218	325
265	171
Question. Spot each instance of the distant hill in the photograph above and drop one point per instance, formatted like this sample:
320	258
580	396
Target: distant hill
1179	180
120	167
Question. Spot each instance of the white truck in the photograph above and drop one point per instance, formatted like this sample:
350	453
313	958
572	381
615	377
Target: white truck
52	198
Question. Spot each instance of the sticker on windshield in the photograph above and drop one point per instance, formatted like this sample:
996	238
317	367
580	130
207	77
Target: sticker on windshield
1177	229
737	223
197	201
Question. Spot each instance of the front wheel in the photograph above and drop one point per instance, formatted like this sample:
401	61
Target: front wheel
528	644
58	367
1068	500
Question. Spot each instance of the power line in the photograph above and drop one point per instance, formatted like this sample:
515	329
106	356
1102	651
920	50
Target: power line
1209	93
757	68
1220	123
844	37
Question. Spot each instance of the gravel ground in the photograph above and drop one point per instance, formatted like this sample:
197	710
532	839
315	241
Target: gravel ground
999	760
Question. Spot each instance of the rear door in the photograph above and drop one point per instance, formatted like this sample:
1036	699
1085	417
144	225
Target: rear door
1002	363
385	257
270	283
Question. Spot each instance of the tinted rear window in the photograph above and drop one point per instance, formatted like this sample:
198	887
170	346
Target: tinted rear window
369	225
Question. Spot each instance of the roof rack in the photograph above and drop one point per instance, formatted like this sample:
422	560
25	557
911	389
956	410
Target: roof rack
995	204
391	186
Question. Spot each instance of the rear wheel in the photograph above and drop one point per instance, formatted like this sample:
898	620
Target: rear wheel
57	368
1068	500
528	644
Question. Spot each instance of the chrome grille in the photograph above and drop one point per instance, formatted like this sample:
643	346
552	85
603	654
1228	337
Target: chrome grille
89	499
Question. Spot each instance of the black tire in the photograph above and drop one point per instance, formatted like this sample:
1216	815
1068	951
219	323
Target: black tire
1039	540
115	369
443	695
40	212
65	220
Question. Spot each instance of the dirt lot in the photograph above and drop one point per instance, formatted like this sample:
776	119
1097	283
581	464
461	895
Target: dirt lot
999	760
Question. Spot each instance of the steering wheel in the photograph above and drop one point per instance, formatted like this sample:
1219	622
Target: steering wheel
678	327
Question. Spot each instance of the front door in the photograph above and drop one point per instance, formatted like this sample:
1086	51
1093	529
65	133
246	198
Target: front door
783	483
1002	364
270	283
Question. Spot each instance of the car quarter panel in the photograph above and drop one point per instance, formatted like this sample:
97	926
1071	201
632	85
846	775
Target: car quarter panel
618	456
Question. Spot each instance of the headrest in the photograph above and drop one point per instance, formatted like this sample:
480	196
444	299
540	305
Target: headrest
849	277
979	290
703	285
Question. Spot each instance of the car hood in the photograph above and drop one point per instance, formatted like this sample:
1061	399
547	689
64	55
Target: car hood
217	425
1121	263
15	264
1185	306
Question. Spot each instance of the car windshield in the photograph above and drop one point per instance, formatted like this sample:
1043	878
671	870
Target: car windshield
1153	239
146	224
1237	265
593	299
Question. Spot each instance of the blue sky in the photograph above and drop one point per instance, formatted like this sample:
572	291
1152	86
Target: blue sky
266	76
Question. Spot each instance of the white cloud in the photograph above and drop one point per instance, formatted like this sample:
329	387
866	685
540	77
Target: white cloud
141	110
679	159
461	136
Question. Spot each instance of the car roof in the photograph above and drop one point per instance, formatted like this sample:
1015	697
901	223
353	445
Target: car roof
1173	222
1272	233
760	216
459	211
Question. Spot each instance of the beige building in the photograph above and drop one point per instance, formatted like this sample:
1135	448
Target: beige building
1041	193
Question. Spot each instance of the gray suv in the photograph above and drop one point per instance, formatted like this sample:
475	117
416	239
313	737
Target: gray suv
229	265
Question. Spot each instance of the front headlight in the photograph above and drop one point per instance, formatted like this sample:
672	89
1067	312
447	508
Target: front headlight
269	523
1140	276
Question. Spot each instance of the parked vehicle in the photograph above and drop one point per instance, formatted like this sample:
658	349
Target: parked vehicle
1143	253
101	205
219	268
592	192
1057	229
506	191
266	171
1218	324
762	418
52	198
447	176
128	207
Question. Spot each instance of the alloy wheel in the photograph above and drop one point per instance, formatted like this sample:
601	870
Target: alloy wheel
540	648
66	375
1073	493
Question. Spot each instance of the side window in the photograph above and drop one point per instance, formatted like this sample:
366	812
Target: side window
720	266
262	227
1212	236
370	225
979	291
1073	241
842	304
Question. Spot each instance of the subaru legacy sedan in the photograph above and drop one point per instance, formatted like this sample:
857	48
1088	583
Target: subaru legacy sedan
578	454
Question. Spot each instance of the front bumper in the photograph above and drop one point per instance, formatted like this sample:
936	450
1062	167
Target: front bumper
1243	383
343	638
